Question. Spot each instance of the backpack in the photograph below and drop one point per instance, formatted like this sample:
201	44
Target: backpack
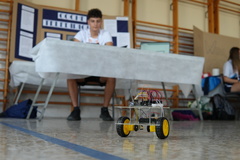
20	110
222	109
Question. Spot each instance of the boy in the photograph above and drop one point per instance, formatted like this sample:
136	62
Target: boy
94	35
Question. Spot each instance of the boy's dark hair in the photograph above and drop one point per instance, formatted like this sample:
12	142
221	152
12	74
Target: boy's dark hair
95	13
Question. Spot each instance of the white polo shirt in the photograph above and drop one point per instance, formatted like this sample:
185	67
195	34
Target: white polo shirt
85	37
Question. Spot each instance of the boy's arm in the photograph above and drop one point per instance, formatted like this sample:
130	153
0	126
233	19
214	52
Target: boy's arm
76	40
109	43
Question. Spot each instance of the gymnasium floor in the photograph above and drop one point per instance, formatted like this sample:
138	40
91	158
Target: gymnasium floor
89	139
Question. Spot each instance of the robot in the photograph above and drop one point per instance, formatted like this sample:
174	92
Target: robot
149	113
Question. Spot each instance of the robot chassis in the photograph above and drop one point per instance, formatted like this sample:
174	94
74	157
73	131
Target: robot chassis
149	114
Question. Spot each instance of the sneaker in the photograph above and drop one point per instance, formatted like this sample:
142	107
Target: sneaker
75	115
105	114
2	115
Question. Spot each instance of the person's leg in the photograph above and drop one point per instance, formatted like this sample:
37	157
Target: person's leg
73	93
108	92
235	87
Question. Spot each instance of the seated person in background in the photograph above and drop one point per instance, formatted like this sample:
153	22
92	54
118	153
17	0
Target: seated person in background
94	35
231	70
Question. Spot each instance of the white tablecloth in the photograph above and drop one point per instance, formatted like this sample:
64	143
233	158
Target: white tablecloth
24	72
72	59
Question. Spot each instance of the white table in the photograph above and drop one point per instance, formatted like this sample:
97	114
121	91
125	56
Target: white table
23	72
67	59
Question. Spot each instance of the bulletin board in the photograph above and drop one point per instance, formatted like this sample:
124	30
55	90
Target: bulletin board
161	47
24	30
214	47
32	23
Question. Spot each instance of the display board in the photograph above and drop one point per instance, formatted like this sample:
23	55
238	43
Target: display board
32	23
162	47
25	30
215	48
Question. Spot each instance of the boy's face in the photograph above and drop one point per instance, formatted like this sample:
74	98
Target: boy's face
95	24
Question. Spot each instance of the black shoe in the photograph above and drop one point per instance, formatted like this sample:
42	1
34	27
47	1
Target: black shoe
75	115
105	114
2	115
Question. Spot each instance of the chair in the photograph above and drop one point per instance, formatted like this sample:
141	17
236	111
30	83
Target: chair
231	96
94	86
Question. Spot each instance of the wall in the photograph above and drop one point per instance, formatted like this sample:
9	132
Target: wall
159	11
108	7
215	48
230	25
69	4
192	15
115	9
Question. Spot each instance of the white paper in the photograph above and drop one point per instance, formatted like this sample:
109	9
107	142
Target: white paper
111	26
122	18
25	45
27	20
53	35
123	39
